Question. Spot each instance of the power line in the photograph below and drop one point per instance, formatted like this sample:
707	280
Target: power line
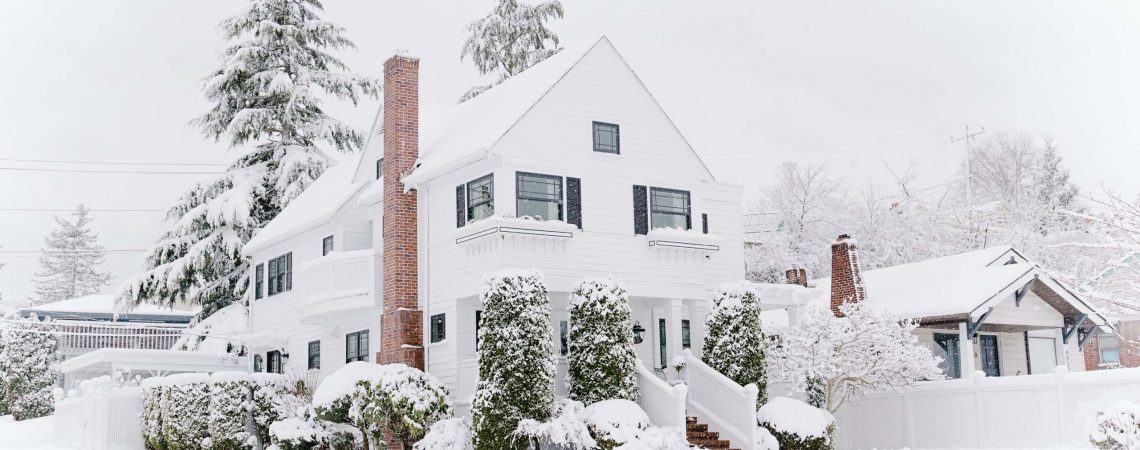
128	163
73	210
120	172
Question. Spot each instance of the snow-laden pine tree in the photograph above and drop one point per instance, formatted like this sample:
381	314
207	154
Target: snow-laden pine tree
510	39
734	343
69	266
602	362
516	365
29	367
266	97
844	357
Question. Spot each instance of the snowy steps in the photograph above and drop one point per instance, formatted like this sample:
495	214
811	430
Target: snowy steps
699	435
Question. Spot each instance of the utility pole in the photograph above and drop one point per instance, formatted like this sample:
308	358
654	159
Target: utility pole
967	137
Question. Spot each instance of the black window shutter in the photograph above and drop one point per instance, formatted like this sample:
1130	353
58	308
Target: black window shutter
574	201
640	210
289	272
705	223
460	206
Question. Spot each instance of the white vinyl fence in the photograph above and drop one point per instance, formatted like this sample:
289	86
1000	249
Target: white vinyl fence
727	407
664	404
1032	411
105	420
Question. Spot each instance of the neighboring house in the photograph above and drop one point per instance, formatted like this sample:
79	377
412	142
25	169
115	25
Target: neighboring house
1116	290
988	310
383	260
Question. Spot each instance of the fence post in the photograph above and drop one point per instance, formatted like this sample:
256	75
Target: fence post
1059	378
908	408
979	420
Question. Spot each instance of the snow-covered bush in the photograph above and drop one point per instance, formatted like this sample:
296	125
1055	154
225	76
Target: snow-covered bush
609	424
796	425
447	434
1117	427
272	401
516	365
734	343
405	400
840	358
151	417
230	396
602	362
186	415
567	428
29	367
616	422
305	431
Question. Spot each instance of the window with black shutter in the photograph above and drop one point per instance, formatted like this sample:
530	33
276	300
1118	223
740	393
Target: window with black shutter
574	201
438	328
670	208
281	274
539	196
460	206
314	355
259	281
327	246
607	139
481	198
640	210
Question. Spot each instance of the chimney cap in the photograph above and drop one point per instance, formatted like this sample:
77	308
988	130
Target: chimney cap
844	236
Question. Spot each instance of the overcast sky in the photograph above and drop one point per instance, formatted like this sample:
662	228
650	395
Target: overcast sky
750	83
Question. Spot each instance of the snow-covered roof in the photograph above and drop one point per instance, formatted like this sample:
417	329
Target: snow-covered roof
102	307
107	360
455	135
316	206
954	285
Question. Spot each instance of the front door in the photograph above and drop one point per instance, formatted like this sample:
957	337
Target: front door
990	361
948	349
661	341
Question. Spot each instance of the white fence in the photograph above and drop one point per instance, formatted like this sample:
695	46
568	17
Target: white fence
101	420
725	406
664	404
1033	411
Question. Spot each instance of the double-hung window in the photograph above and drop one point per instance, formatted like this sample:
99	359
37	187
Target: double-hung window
281	274
1109	349
327	246
438	328
686	334
259	281
481	198
670	208
356	346
314	355
539	196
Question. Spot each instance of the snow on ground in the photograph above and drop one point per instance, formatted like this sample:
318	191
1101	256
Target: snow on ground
35	434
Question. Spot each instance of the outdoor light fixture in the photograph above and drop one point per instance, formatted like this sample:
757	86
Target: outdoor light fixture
637	332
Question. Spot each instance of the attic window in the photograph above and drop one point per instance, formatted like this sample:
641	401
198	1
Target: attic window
607	138
379	168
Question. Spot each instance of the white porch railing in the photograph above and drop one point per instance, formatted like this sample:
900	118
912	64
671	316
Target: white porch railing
341	280
725	406
664	404
101	421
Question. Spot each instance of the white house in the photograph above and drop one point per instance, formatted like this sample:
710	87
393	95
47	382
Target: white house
576	146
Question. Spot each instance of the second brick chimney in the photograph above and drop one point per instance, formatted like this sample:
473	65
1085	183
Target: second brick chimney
401	325
797	276
846	278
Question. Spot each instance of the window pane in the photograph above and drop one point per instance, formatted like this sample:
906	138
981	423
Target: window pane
327	246
606	138
669	209
539	196
351	349
661	220
480	198
1109	356
363	345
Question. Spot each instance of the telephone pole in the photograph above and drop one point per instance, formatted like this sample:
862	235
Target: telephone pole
967	137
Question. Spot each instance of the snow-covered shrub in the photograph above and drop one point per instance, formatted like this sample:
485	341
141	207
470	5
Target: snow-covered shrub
447	434
150	419
516	365
602	362
616	422
333	400
734	343
764	440
840	358
566	429
306	431
29	366
186	414
797	425
230	397
1117	427
404	400
272	401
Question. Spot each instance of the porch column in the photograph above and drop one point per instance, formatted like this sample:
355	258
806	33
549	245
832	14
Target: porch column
697	312
673	312
1062	356
965	351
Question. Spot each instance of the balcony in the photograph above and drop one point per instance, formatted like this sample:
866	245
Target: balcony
340	284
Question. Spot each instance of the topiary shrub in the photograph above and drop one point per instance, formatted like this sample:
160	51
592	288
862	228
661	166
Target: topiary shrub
602	362
734	344
186	411
1117	427
272	401
230	402
797	425
150	419
516	365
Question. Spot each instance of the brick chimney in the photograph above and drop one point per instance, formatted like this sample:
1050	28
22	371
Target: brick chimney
797	276
846	278
401	325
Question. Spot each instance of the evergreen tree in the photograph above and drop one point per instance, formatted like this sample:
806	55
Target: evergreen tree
510	39
68	267
516	365
29	367
602	361
734	343
267	93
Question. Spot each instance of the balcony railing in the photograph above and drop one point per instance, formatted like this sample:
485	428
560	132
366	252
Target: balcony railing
340	282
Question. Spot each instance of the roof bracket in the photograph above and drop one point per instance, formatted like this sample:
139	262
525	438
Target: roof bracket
1067	331
1082	336
1019	294
972	326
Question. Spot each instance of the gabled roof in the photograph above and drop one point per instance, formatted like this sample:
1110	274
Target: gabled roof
314	207
960	286
453	136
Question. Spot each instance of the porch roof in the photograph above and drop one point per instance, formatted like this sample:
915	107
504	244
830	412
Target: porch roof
140	360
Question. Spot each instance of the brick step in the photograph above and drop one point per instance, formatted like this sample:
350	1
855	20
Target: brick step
703	435
698	434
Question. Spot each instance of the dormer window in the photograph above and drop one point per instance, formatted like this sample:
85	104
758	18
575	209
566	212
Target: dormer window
607	138
379	168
